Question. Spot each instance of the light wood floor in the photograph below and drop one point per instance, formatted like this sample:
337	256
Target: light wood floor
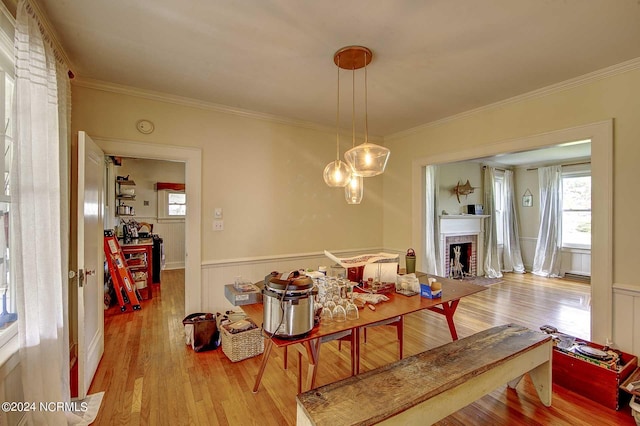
150	377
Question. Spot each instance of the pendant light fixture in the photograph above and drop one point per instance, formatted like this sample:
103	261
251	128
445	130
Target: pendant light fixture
354	191
337	173
367	159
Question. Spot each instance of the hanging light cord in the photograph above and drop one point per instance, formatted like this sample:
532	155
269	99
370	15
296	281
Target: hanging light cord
353	106
338	116
366	118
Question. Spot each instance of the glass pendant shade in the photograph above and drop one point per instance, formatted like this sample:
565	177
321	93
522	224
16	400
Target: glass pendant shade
354	191
367	159
337	174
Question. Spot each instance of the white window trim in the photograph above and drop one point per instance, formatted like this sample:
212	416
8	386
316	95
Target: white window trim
9	336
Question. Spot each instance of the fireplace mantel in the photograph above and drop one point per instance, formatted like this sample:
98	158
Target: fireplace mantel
463	225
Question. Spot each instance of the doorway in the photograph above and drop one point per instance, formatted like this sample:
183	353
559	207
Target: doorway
601	136
147	205
192	159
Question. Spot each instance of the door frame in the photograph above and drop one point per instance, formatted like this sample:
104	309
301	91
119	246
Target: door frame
601	136
192	157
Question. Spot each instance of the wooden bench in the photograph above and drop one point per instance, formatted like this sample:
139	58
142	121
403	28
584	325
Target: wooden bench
429	386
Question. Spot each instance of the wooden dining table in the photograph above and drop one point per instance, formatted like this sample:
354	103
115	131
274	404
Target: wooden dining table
398	305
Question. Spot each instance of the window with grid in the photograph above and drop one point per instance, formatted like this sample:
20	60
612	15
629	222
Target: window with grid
576	209
8	316
172	204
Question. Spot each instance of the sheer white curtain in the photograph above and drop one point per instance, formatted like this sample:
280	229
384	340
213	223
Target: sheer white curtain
492	266
511	254
432	256
547	258
39	217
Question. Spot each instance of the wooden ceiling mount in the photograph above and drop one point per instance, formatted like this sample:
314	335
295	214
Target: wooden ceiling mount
352	57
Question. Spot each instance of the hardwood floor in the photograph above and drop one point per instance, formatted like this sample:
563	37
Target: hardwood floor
150	377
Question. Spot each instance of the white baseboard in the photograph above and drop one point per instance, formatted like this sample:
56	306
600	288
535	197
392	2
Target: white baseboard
173	265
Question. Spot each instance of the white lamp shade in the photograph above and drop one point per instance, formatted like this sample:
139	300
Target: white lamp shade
368	159
354	191
337	174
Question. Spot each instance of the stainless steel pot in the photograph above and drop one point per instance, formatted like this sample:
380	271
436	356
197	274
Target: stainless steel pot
288	306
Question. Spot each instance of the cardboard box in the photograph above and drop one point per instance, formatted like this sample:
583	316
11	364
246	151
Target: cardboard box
593	381
239	298
430	293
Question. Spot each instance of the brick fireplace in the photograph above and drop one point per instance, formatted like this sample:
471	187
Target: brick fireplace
464	234
465	264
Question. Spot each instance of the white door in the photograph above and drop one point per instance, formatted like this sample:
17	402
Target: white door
90	260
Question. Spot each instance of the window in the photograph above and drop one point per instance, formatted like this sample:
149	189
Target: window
576	209
499	199
177	204
172	204
8	324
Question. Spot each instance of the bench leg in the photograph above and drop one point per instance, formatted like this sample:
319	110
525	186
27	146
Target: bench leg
514	383
541	378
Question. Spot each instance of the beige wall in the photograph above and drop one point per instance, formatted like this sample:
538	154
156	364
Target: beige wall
266	176
452	174
616	97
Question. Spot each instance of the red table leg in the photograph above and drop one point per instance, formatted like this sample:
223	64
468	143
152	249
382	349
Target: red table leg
265	357
448	309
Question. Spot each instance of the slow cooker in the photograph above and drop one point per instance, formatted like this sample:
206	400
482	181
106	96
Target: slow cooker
288	305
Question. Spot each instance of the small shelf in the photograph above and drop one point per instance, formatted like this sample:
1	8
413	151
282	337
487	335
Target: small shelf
123	209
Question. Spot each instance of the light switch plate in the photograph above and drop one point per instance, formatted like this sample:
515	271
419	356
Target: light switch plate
217	213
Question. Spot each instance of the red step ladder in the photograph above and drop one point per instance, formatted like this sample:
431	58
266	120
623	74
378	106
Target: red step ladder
120	275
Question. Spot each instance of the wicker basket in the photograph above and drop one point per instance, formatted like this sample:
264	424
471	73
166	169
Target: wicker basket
243	345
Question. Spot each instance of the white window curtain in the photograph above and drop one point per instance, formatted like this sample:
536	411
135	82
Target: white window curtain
547	258
39	216
492	266
431	257
511	253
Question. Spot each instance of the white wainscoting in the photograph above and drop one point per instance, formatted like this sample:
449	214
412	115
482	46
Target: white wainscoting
172	234
576	261
626	317
215	275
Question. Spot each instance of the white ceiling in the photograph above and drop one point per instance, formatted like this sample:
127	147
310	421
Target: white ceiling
566	152
432	58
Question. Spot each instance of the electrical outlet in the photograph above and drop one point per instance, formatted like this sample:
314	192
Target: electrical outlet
218	225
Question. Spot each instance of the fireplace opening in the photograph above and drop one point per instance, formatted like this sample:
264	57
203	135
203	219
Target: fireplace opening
460	260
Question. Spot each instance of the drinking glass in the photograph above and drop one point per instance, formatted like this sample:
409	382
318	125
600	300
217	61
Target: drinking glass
339	313
326	315
351	309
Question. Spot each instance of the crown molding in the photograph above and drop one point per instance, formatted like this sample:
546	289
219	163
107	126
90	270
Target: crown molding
194	103
6	12
210	106
601	74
